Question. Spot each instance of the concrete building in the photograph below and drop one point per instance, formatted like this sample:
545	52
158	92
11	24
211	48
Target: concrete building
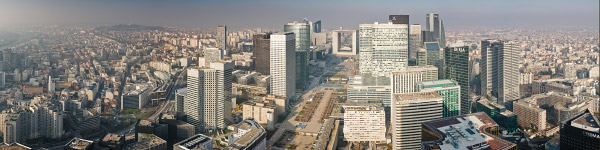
277	101
112	141
79	144
136	99
421	57
21	123
179	98
456	67
247	135
344	42
208	100
211	55
364	124
148	142
261	52
360	93
195	142
449	90
262	113
530	116
408	111
500	70
283	65
379	54
451	133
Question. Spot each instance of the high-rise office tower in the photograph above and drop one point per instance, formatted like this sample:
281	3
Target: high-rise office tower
283	65
383	48
408	111
415	41
222	37
50	84
500	70
2	79
302	32
422	57
406	81
261	52
449	91
301	70
435	56
399	19
435	29
211	55
457	67
5	60
208	99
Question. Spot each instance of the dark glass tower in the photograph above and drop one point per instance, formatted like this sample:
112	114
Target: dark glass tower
580	133
456	67
261	52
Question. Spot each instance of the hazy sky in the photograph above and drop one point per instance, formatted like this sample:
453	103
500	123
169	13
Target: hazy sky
275	13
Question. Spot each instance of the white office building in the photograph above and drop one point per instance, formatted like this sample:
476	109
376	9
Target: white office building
383	48
283	65
500	70
406	81
364	124
208	99
408	111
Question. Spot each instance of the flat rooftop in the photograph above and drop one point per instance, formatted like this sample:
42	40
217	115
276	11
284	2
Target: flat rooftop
586	122
362	108
145	123
78	143
465	132
255	131
148	141
437	82
417	96
193	142
112	138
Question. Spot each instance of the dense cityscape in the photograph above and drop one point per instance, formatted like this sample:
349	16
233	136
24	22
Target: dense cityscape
399	84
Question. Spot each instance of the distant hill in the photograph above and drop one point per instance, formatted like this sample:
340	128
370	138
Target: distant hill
129	27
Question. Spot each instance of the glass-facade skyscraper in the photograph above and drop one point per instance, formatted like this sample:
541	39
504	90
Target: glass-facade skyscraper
301	69
435	56
302	32
435	29
261	52
450	92
457	68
